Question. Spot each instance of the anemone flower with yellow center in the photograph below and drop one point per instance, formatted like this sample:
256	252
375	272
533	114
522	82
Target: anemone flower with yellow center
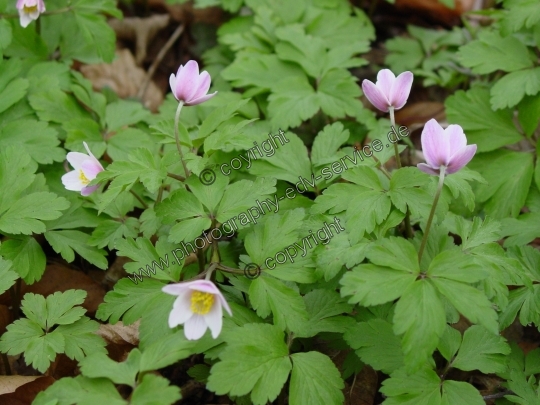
198	306
86	168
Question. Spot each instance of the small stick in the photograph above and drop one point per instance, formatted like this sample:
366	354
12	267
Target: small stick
176	34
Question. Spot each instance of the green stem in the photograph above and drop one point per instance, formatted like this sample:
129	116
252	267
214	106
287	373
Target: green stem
139	198
408	228
432	213
393	124
175	176
177	137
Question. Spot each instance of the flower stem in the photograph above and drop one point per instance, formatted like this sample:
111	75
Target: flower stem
432	213
393	125
408	228
177	137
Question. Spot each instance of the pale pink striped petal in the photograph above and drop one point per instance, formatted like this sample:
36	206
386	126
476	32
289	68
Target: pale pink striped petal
203	285
172	83
400	90
91	169
203	85
433	139
186	81
87	190
375	95
460	159
201	99
457	139
427	169
385	81
76	159
181	312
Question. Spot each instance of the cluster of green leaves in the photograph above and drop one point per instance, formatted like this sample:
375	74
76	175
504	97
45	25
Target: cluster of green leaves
279	65
428	53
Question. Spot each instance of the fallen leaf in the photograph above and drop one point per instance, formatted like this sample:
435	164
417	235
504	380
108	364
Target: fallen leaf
124	77
120	333
25	392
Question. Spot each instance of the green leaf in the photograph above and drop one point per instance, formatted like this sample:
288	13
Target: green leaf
529	114
123	112
376	344
510	90
405	193
374	285
288	163
470	302
99	365
421	318
454	265
7	276
109	232
27	257
269	295
12	93
338	94
97	34
525	393
293	101
327	142
491	52
315	380
261	363
484	127
43	149
129	301
449	342
155	390
425	388
324	308
52	104
521	13
68	242
260	242
81	338
507	173
166	351
81	391
84	130
482	350
521	230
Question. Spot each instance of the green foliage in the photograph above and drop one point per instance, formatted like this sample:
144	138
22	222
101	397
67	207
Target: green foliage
36	337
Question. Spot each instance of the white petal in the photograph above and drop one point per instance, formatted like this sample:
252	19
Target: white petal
72	182
181	311
195	327
24	19
214	319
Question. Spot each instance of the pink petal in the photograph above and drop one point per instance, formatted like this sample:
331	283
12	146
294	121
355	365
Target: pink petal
457	139
71	181
181	311
401	89
225	303
195	327
172	83
20	4
375	95
41	6
91	169
460	159
91	154
201	99
433	144
427	169
214	319
203	85
385	80
86	191
76	159
203	285
175	289
186	81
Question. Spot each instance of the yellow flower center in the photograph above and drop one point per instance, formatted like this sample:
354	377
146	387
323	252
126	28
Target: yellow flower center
30	9
84	180
201	302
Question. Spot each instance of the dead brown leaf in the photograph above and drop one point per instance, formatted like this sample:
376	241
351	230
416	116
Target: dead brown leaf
140	30
124	77
21	390
120	333
58	277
